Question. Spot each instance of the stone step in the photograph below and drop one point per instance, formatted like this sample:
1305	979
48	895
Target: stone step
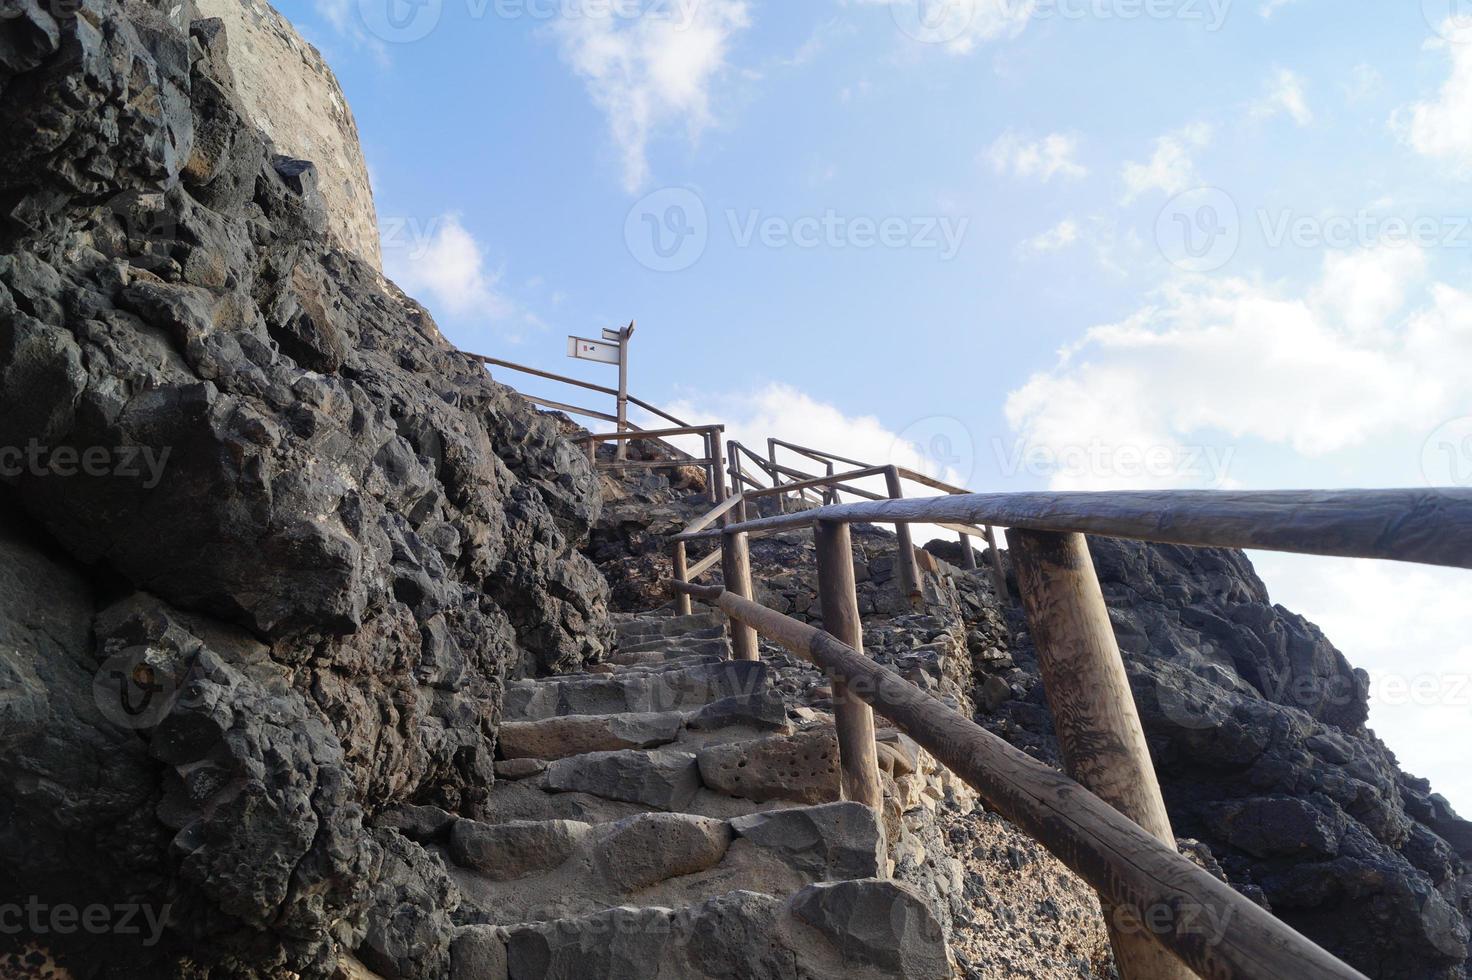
670	625
565	736
850	930
537	871
664	655
633	690
712	644
569	735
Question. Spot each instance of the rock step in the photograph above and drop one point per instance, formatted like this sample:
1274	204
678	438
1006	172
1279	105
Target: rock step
657	625
713	644
664	655
634	690
847	930
538	871
565	736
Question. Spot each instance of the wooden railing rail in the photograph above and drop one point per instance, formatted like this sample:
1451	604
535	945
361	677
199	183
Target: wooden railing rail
1162	898
1430	527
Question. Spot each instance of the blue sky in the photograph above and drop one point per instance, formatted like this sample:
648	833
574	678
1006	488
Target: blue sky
1066	243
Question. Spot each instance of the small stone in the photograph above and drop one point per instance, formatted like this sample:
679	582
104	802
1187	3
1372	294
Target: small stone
653	847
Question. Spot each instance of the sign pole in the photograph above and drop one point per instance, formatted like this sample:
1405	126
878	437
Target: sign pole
623	388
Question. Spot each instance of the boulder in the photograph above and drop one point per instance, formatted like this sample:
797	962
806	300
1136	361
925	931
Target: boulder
834	840
875	924
653	847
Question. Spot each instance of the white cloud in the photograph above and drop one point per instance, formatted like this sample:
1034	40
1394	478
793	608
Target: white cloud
1212	362
651	72
1438	128
442	265
1284	97
787	413
1046	158
345	19
957	27
1057	238
1171	167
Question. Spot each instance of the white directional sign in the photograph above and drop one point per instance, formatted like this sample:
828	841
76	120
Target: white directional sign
613	336
592	350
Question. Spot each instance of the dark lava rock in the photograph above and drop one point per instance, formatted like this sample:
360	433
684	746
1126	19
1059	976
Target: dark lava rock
1257	725
272	546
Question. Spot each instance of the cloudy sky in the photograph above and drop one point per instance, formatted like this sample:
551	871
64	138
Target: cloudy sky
1031	243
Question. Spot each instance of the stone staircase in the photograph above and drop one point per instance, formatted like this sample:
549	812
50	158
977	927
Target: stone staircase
671	815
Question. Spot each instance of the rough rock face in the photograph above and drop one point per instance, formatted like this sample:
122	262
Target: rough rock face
1257	727
271	548
290	94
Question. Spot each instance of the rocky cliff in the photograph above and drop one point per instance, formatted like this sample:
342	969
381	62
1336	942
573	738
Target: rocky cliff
288	92
269	549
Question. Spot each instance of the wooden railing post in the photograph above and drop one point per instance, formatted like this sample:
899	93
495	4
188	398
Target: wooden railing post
734	450
999	577
1099	730
858	757
909	569
682	574
776	475
717	464
968	556
736	570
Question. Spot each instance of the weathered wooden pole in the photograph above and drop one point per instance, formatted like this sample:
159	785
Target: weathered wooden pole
736	570
968	556
858	758
717	464
999	577
1094	711
682	574
625	335
734	449
908	568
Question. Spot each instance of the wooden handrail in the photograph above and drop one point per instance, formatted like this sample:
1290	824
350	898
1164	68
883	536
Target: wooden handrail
1432	526
684	430
1171	897
590	386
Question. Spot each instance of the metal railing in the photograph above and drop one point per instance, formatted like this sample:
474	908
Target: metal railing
1107	822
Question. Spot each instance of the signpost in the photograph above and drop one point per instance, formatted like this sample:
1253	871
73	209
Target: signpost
612	349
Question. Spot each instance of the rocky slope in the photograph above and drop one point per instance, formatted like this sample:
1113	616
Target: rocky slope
270	548
1257	725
